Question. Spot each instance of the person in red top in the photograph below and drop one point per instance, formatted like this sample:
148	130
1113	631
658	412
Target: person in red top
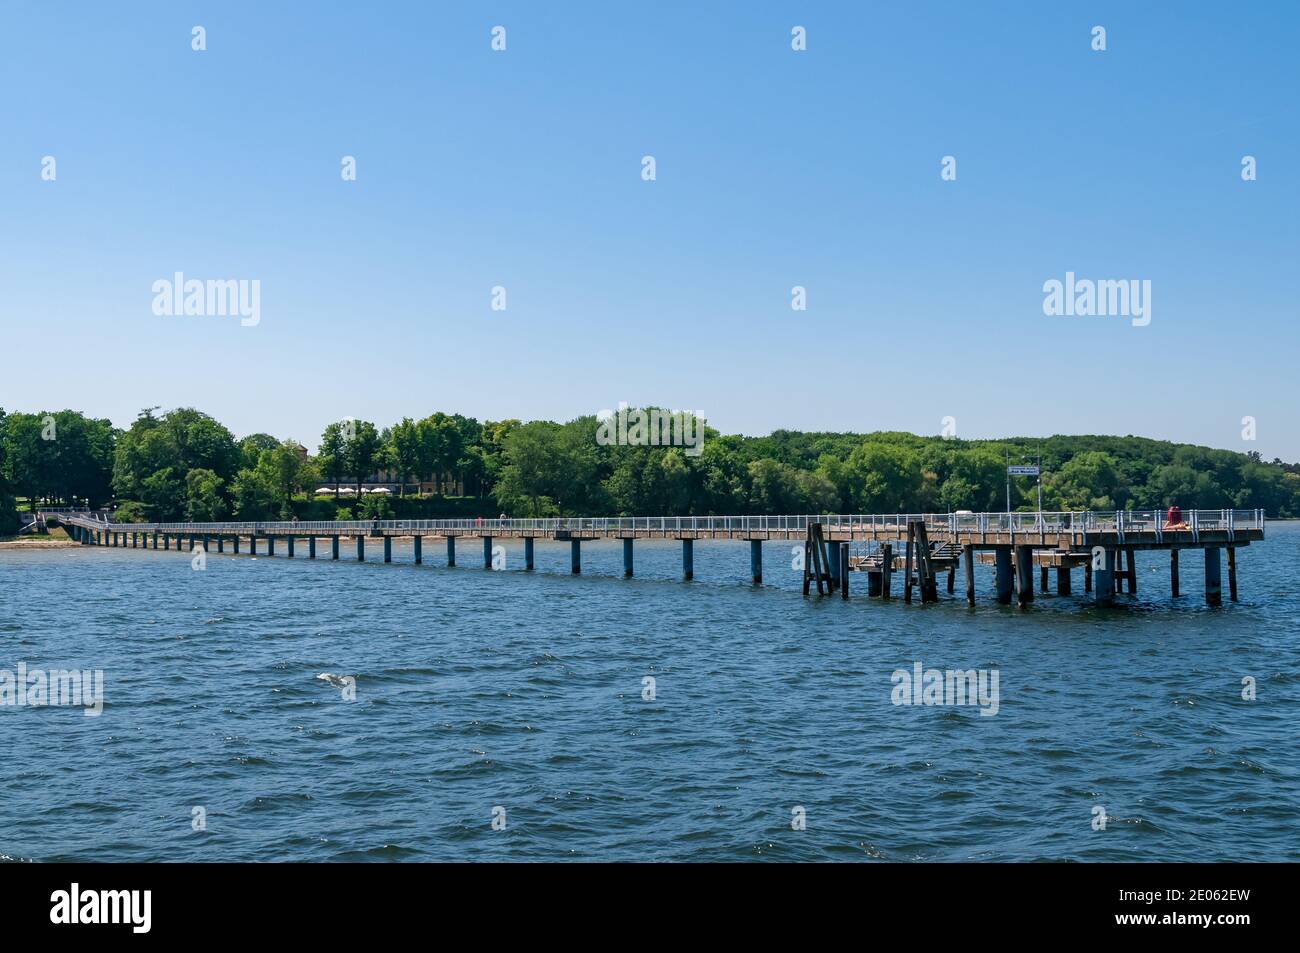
1174	519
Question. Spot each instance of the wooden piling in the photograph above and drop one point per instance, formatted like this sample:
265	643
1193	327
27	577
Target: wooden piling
887	570
1005	574
907	569
1173	572
1106	576
1232	573
925	574
1213	580
969	556
843	564
1024	575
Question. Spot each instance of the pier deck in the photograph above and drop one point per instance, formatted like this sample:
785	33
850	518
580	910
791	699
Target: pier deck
932	542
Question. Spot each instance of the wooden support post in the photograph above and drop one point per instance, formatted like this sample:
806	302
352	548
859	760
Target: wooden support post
1232	573
969	558
819	557
419	549
311	546
1213	577
528	553
1024	575
1042	578
451	550
756	562
1004	574
575	556
487	552
688	560
1063	579
334	547
926	577
843	563
270	545
952	578
832	565
627	558
388	549
907	566
887	571
1087	575
1132	573
289	547
361	549
807	564
234	544
1106	573
1173	572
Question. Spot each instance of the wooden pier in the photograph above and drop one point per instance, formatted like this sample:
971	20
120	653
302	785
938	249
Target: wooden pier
921	546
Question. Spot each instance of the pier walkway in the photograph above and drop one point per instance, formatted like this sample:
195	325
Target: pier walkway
834	545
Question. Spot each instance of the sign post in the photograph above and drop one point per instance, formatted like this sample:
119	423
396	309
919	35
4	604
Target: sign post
1033	470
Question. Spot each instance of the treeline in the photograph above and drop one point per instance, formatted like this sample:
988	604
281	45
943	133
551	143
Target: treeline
185	465
557	468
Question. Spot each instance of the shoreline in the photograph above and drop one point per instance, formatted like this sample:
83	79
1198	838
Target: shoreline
37	542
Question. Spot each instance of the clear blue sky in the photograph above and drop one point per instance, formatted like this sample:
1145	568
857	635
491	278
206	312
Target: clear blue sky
775	169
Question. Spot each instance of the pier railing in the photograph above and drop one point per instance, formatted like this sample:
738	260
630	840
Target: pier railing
1079	521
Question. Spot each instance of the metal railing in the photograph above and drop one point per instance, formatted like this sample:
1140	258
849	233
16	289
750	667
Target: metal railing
1078	521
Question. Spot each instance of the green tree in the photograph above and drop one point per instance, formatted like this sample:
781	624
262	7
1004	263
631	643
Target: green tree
975	481
162	494
1088	481
533	465
405	451
252	447
362	451
180	440
890	478
30	457
255	491
287	464
334	454
205	501
8	510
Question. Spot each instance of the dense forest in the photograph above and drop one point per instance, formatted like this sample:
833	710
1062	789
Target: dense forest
183	464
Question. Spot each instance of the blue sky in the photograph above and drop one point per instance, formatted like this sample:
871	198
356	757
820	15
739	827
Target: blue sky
775	168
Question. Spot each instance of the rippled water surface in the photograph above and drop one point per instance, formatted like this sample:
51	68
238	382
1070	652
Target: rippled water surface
479	690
